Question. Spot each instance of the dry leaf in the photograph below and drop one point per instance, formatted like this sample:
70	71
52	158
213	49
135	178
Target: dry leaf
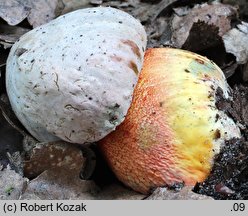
37	12
71	5
10	34
159	32
245	72
58	166
242	4
10	143
60	184
157	9
54	155
184	194
3	58
218	15
10	116
42	11
13	11
236	41
11	184
96	2
16	161
54	184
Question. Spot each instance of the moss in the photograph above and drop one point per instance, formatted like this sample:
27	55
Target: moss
9	190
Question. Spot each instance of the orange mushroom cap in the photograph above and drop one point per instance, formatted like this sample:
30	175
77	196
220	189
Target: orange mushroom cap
173	128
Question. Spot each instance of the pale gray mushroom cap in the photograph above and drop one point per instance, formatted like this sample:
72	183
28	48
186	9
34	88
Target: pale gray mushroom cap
73	78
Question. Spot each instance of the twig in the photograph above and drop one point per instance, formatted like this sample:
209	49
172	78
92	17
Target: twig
2	65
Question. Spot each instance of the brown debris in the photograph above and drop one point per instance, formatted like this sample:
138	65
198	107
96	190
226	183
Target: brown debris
240	103
222	189
202	36
218	15
226	105
53	155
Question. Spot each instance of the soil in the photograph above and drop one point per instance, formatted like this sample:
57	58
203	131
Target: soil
228	178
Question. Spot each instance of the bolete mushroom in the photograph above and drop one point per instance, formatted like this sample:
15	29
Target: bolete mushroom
73	78
173	128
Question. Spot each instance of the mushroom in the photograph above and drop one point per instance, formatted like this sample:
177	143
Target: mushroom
173	128
73	78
